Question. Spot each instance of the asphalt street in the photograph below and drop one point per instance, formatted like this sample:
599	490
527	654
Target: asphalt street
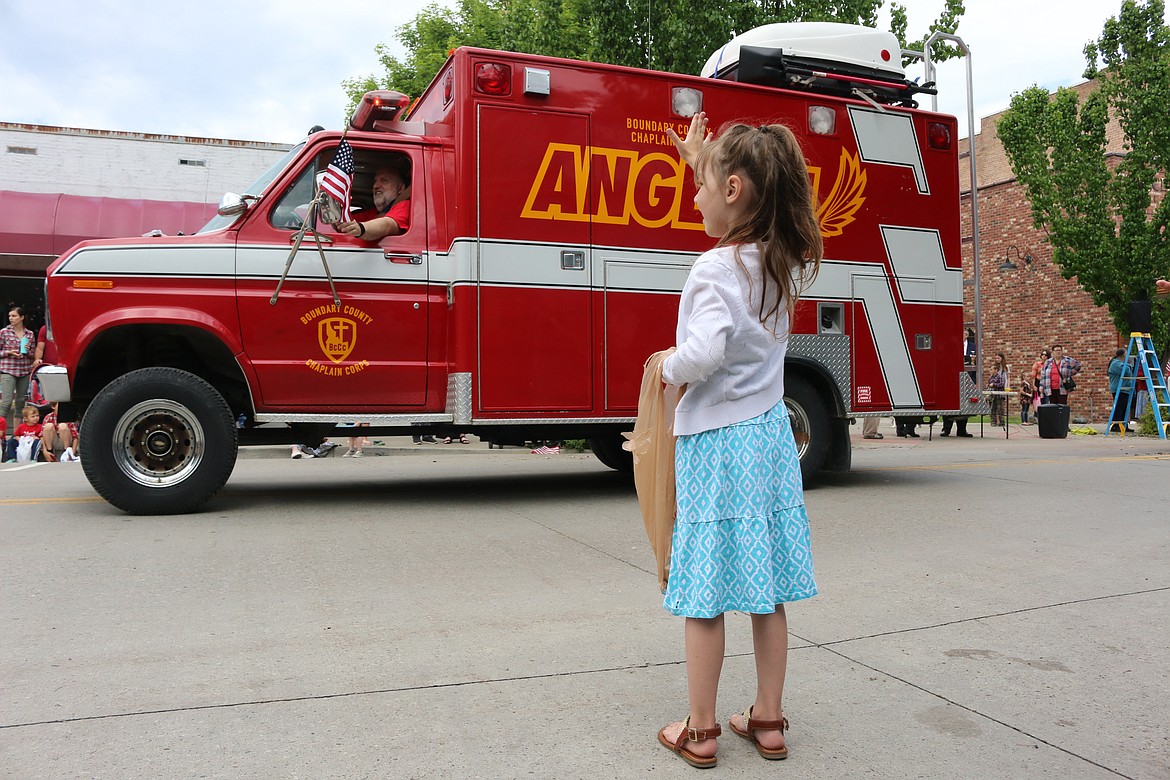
989	608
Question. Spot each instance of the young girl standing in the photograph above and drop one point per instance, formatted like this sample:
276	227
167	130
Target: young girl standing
741	538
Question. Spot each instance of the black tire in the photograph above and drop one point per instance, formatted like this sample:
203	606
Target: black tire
810	425
158	441
608	450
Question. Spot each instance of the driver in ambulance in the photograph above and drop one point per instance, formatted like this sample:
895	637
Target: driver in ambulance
391	213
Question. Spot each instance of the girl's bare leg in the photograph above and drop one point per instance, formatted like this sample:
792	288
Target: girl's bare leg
64	437
47	442
705	647
770	641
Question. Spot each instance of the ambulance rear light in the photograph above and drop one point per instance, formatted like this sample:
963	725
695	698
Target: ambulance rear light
822	120
379	105
492	78
448	86
686	102
938	135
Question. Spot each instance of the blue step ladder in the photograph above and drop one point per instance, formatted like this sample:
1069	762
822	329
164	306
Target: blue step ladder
1147	369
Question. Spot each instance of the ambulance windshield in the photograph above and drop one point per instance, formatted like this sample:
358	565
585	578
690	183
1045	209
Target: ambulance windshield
256	188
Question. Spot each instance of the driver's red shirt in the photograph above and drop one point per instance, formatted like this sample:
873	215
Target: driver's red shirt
399	212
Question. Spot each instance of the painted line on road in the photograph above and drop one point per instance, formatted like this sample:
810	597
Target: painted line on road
34	501
993	463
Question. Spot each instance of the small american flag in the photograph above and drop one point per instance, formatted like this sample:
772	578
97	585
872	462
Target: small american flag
546	450
338	177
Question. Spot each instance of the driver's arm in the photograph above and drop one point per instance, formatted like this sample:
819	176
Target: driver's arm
373	230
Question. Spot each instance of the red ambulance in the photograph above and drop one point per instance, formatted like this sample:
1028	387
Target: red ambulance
552	226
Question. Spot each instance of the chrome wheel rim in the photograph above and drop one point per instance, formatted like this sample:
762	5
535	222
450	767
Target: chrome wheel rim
801	428
158	443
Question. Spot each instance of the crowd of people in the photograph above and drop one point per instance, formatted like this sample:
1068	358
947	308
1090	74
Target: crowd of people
40	435
1050	380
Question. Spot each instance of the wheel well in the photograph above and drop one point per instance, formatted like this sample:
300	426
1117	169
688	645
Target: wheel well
126	348
817	376
840	451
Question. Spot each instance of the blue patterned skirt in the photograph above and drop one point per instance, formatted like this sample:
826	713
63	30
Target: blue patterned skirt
741	538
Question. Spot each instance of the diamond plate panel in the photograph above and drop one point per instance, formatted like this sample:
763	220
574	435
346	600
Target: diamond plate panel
830	351
459	397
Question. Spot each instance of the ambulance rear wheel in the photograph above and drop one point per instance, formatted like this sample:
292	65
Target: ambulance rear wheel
158	441
608	450
810	425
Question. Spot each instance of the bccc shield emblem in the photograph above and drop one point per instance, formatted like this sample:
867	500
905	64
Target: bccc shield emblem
337	336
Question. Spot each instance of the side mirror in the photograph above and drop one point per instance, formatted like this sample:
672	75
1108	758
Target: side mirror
231	204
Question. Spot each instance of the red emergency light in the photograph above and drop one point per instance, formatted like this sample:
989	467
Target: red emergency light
379	105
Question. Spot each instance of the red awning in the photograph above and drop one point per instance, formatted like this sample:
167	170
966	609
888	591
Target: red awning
33	223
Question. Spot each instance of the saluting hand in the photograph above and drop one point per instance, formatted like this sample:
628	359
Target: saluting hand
697	135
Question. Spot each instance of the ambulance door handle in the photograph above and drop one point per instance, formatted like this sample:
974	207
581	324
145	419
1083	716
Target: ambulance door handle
572	260
403	259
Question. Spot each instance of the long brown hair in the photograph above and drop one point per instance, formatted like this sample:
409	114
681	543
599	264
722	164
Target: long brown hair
782	220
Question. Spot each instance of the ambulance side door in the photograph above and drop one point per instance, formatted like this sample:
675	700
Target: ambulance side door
535	309
310	354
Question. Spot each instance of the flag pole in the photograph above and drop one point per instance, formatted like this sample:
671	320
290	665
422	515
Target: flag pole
310	224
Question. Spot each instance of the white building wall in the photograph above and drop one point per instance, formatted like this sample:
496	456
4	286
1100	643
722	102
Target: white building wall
73	161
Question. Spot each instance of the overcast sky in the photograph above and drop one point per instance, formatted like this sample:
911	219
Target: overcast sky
268	70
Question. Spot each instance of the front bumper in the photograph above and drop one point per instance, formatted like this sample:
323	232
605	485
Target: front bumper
54	381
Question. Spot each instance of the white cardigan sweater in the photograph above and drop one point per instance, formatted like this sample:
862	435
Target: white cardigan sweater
732	364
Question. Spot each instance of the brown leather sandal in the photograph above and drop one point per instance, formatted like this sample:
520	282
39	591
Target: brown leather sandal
752	725
689	734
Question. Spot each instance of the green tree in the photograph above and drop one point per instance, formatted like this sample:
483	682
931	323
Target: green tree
675	37
1101	214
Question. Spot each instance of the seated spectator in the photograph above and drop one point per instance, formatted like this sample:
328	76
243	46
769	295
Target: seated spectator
59	440
31	427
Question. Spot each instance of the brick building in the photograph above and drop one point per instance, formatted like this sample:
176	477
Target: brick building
1030	307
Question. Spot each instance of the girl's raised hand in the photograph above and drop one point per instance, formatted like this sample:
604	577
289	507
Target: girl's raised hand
688	148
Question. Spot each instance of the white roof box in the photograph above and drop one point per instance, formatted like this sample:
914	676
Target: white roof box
825	42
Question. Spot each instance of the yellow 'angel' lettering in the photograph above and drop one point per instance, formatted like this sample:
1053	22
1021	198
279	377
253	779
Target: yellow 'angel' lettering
617	186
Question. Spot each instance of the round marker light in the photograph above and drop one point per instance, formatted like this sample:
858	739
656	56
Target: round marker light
822	120
686	102
938	135
491	78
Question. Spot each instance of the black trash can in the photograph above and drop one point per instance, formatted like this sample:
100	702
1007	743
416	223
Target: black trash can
1052	420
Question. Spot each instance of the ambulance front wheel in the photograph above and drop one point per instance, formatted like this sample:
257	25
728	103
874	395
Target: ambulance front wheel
810	425
158	441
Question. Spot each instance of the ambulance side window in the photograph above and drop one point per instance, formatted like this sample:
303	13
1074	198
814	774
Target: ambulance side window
293	205
368	168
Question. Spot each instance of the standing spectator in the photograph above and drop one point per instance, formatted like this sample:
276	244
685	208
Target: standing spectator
17	348
356	443
1027	396
1037	370
869	428
1056	377
969	351
904	426
1119	373
1038	367
46	352
998	381
959	423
